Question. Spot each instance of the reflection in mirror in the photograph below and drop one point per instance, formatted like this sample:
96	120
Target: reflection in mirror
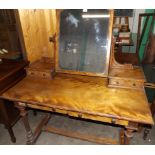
83	40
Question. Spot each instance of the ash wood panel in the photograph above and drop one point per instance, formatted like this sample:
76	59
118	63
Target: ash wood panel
37	26
83	94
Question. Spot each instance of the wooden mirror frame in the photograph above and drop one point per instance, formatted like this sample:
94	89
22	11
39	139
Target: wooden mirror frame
56	55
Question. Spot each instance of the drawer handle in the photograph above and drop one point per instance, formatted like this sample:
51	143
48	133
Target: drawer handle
117	82
80	115
113	120
134	84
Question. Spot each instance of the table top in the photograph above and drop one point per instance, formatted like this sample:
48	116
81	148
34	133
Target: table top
83	94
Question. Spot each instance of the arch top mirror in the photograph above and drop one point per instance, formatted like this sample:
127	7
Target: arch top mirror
83	41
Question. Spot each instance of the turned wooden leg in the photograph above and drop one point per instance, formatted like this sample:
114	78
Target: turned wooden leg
128	135
147	132
13	138
148	128
121	138
23	113
34	112
140	128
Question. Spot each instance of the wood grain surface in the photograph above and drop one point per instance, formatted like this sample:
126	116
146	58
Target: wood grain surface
134	74
37	26
87	95
126	78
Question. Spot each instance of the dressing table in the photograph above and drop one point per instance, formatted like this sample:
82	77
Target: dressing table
84	80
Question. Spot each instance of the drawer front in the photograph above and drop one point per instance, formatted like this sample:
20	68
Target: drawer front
42	74
81	115
126	83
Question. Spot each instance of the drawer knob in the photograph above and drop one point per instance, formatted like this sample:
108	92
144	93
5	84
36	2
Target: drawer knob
117	82
134	84
113	120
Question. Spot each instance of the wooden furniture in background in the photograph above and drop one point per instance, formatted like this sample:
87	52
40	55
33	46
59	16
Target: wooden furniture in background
118	21
133	58
130	58
9	36
126	57
10	55
5	41
11	72
120	45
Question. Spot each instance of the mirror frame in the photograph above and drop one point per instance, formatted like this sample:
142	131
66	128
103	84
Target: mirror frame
56	54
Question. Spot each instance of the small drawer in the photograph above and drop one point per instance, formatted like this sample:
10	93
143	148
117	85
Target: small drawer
126	83
45	75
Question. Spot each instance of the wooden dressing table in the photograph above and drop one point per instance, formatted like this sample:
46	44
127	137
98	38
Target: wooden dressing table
73	87
75	96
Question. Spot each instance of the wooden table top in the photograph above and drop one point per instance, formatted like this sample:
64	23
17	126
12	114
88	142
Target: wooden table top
83	94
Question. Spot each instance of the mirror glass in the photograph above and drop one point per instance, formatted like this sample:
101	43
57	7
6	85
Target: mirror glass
84	40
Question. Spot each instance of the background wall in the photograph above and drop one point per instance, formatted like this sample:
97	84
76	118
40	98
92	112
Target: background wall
37	26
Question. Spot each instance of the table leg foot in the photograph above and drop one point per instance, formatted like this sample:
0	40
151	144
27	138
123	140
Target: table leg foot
122	137
146	133
128	135
34	112
13	138
23	113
